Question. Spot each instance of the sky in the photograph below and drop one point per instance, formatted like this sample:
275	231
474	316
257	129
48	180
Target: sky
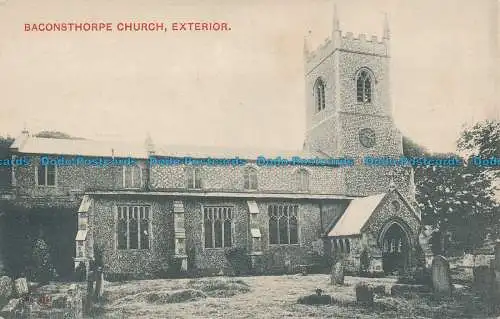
244	87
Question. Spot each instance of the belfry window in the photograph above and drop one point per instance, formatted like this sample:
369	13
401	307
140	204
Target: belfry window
319	95
364	87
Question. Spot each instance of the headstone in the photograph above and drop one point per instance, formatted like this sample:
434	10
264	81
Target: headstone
497	255
364	294
5	290
495	269
337	274
441	278
90	293
99	284
21	287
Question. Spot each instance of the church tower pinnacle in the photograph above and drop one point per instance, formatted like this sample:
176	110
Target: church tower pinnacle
387	31
336	24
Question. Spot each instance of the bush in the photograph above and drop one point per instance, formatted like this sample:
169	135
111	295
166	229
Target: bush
43	268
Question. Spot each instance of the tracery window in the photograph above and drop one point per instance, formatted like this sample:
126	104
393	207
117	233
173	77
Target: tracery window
283	224
218	226
134	227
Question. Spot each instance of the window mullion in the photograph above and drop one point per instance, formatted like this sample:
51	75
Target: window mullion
128	227
139	228
278	229
288	223
213	231
222	228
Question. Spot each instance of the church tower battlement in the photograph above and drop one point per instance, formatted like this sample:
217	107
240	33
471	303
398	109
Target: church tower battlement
348	107
348	104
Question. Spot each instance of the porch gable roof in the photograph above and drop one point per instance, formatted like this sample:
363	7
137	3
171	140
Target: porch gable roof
356	215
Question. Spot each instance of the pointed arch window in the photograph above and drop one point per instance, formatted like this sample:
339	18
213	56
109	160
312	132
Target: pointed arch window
319	94
364	84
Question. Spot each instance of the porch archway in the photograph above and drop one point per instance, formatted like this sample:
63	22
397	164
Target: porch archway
396	247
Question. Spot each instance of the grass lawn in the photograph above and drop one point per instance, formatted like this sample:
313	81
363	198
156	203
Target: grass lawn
271	297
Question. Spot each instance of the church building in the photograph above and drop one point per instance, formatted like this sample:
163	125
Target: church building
148	219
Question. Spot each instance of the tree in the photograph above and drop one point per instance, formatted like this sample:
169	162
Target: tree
412	149
42	261
457	201
5	173
482	139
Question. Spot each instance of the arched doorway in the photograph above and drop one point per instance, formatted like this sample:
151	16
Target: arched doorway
395	249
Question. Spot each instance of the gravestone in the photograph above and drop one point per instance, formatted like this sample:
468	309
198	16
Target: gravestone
496	272
99	284
364	294
337	274
90	293
441	278
21	287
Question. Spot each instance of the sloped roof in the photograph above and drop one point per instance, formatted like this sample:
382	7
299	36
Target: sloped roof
356	215
37	145
224	152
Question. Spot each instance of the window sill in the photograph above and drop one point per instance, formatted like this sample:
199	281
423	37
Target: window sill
218	248
133	250
48	186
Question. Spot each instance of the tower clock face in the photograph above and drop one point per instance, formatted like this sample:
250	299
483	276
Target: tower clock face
367	137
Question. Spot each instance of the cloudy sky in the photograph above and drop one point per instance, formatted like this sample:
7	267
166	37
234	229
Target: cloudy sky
239	88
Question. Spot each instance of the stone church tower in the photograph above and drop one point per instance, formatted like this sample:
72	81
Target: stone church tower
348	108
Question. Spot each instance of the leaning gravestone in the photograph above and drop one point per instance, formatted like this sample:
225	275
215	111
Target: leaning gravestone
441	278
337	274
